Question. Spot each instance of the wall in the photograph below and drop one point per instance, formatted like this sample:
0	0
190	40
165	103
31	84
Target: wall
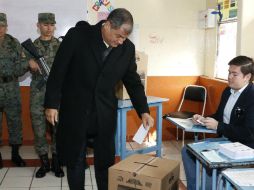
214	89
245	28
22	16
168	32
210	44
172	87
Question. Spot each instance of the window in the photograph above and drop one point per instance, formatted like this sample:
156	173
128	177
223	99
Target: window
226	48
227	34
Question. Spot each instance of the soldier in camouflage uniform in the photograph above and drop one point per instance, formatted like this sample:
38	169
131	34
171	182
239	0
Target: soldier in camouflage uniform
47	46
12	65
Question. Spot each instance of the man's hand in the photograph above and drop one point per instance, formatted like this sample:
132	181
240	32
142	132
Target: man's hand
197	119
52	116
210	123
147	120
34	66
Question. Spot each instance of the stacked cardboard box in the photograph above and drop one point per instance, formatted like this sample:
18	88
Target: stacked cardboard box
141	60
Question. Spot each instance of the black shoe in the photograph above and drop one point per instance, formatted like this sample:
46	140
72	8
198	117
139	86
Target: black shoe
1	161
15	157
45	166
18	161
55	166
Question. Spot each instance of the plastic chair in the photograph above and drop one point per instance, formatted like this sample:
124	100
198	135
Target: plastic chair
195	94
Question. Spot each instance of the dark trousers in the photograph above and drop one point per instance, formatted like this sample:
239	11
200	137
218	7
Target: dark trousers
76	173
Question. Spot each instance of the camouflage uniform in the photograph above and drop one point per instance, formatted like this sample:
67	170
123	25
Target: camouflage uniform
48	49
12	65
1	126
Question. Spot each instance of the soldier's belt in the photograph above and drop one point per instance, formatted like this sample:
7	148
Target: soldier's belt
7	79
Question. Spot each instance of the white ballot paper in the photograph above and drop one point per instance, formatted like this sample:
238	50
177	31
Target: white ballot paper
212	156
241	177
141	134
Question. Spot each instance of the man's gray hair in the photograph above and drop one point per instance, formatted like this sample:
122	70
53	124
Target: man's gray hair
120	16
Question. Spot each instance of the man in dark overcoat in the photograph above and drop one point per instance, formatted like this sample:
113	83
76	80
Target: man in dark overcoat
89	63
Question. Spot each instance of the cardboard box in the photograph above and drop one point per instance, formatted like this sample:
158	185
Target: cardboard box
144	172
141	60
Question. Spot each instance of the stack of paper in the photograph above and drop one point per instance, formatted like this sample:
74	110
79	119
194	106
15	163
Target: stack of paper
242	177
236	150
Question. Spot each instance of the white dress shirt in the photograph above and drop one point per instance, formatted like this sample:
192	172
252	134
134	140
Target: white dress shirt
230	103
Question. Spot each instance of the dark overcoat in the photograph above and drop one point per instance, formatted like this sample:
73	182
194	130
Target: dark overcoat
80	82
241	124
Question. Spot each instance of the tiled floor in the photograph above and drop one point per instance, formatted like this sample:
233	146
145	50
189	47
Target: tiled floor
14	178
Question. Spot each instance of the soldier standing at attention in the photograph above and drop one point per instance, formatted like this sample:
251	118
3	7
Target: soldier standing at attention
12	65
47	46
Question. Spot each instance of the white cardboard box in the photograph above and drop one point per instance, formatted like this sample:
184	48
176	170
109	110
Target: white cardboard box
141	171
141	60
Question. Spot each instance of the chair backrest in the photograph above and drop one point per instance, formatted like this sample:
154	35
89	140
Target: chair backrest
194	93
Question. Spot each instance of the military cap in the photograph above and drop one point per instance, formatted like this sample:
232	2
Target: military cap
3	20
47	18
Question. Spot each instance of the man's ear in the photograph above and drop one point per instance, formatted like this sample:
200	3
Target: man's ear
107	25
248	76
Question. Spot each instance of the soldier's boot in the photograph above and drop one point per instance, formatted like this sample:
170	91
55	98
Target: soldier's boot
15	157
45	166
56	167
1	161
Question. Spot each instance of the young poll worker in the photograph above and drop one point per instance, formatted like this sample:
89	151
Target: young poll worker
234	117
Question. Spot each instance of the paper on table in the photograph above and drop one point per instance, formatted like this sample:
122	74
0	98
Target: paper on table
140	134
187	123
212	156
241	178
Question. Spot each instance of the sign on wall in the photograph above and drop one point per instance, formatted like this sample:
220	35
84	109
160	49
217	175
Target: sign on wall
228	9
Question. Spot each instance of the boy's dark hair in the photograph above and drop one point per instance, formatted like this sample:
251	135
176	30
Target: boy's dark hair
246	64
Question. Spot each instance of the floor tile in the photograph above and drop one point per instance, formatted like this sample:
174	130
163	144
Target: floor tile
48	181
86	188
3	172
10	188
10	181
46	188
64	182
88	181
20	172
